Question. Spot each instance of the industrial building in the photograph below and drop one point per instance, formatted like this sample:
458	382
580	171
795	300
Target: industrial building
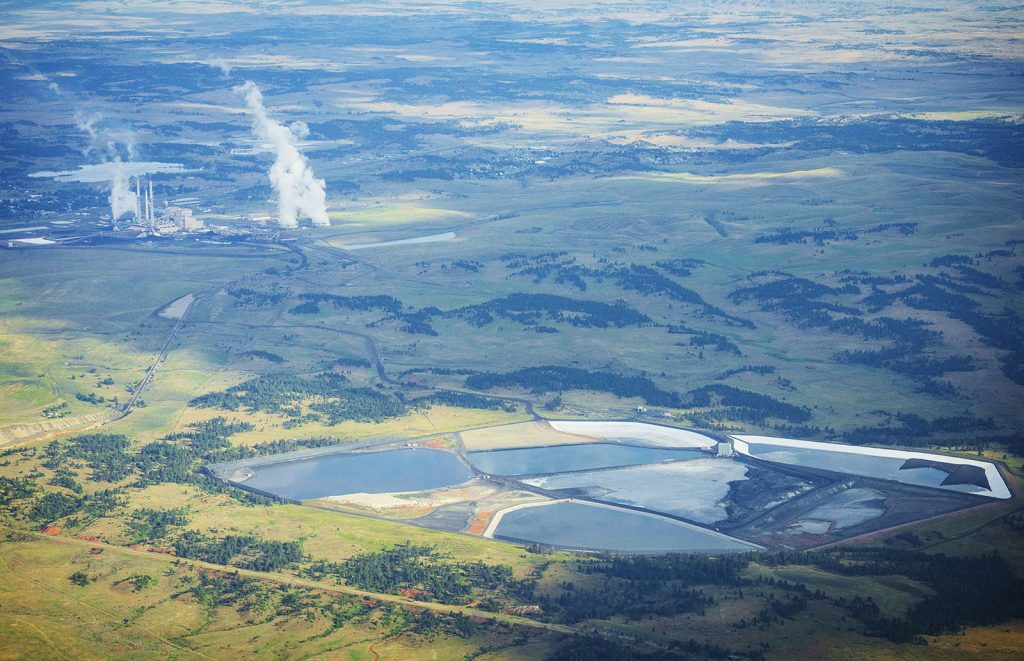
171	219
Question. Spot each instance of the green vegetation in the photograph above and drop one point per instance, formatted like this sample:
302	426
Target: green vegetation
17	488
323	397
555	379
246	551
745	405
311	303
150	526
967	591
265	355
464	400
425	575
529	309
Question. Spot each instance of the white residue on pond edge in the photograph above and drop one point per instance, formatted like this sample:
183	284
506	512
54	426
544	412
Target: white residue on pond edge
659	435
693	489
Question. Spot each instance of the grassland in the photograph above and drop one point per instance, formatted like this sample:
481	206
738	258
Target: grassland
108	618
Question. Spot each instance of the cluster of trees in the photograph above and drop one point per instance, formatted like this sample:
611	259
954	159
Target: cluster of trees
15	488
311	303
418	322
820	236
799	299
349	361
265	355
950	260
963	590
746	405
209	435
529	309
631	277
994	138
464	400
256	298
469	265
55	505
705	339
681	268
541	266
104	454
690	568
424	574
640	586
149	525
593	648
325	394
90	398
245	551
254	598
552	378
645	280
177	458
909	429
900	358
59	410
763	370
518	260
943	293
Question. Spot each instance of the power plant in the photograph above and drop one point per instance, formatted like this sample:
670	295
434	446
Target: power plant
170	221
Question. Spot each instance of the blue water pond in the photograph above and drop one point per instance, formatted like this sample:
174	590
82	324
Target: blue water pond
408	469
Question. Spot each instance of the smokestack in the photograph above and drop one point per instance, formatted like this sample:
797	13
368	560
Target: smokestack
138	196
150	205
298	189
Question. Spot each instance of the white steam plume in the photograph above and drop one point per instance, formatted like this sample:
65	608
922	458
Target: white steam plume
123	199
298	189
223	65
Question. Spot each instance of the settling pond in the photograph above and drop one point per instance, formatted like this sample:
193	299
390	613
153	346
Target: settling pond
620	497
408	469
566	458
592	527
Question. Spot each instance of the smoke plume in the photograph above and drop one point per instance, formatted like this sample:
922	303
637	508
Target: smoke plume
105	140
123	199
223	65
298	189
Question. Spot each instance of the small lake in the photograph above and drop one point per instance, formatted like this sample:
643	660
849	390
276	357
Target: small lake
408	469
563	458
575	525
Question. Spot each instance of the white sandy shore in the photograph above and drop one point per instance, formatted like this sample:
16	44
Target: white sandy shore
669	437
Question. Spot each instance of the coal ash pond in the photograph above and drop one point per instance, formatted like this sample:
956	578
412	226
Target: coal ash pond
418	469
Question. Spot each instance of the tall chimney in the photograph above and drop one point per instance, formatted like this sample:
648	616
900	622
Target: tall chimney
138	201
151	202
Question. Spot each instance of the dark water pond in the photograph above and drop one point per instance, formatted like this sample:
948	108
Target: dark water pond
562	458
418	469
